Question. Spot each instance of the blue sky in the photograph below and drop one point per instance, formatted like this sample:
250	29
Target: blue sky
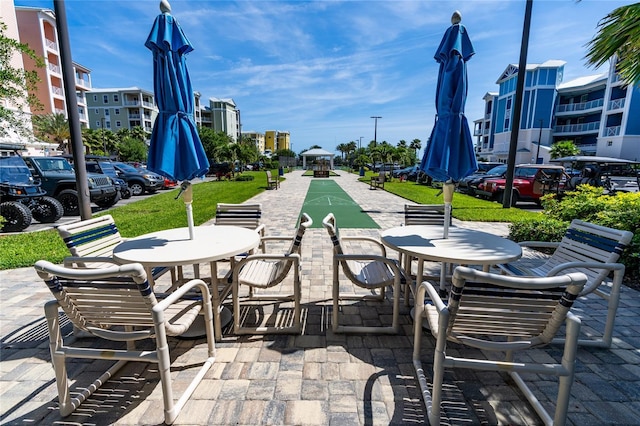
321	69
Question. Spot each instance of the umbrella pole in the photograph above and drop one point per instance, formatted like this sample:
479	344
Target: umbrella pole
447	190
187	193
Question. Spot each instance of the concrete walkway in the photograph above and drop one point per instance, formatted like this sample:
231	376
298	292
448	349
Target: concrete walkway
317	377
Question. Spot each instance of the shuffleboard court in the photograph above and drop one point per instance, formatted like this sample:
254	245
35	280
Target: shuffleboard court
325	196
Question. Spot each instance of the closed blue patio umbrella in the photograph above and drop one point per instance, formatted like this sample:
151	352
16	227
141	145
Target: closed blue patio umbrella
450	156
175	150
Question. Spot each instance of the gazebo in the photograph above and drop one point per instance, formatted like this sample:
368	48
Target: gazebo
314	153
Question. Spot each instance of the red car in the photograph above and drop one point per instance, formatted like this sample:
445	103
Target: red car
530	182
168	183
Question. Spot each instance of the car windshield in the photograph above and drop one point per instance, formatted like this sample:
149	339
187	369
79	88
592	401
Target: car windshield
497	171
14	170
108	169
54	164
127	168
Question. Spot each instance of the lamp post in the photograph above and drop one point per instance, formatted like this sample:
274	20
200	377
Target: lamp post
375	130
539	141
104	143
360	142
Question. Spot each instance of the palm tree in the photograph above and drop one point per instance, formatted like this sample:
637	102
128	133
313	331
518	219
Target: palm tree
53	128
342	148
563	149
618	36
415	144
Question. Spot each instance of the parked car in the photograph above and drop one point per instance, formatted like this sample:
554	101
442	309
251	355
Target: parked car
399	173
103	165
530	182
139	181
21	197
469	184
58	179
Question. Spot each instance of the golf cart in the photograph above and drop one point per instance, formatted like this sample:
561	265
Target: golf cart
612	174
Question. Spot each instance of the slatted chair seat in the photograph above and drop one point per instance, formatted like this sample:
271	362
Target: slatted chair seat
116	303
98	237
370	271
377	181
588	248
264	271
499	313
272	183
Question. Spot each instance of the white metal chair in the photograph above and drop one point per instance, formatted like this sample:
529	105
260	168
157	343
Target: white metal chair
116	303
422	215
591	249
262	271
490	312
367	270
97	237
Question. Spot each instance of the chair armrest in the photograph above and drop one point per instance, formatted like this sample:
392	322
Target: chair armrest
261	229
540	244
617	269
369	240
181	291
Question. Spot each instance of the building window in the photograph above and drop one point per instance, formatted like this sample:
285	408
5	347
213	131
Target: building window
97	111
98	123
115	98
508	103
117	111
106	112
609	143
105	99
506	124
108	124
118	124
95	98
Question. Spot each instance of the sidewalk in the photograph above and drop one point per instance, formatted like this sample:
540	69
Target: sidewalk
317	377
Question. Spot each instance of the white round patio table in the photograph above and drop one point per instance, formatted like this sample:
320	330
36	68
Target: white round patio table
463	246
172	247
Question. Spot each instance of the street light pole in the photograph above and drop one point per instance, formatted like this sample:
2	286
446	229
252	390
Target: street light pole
539	140
360	143
104	143
375	130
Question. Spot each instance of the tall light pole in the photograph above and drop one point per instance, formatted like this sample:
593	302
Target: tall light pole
539	140
360	143
375	130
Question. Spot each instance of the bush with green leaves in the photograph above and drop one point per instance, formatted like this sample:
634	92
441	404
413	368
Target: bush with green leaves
587	203
244	177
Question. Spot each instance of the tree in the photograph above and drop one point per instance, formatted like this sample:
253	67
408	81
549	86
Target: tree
618	36
415	145
17	88
342	147
102	141
132	149
563	149
53	128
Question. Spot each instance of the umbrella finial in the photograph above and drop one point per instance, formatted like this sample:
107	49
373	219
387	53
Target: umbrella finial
165	7
456	17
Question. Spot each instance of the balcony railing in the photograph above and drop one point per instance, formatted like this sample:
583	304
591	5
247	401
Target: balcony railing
588	149
612	131
582	106
577	128
134	116
83	83
477	132
56	90
616	104
60	111
134	102
148	104
54	68
52	45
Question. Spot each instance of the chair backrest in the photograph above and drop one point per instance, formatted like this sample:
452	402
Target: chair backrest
95	237
96	300
381	177
424	214
329	223
587	242
246	215
501	312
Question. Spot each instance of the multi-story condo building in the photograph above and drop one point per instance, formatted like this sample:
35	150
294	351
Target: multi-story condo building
595	112
121	108
275	140
37	28
220	115
255	137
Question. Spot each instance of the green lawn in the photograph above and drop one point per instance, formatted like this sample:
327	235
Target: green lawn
164	211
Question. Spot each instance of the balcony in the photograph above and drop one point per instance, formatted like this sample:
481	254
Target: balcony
616	104
55	90
612	131
134	116
83	83
579	107
477	132
148	104
577	128
134	102
54	68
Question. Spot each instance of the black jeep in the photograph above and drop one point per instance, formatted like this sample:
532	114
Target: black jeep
22	198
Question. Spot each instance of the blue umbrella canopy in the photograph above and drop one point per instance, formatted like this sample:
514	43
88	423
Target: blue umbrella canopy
176	150
450	154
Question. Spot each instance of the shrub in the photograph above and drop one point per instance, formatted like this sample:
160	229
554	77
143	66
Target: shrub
621	211
244	177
